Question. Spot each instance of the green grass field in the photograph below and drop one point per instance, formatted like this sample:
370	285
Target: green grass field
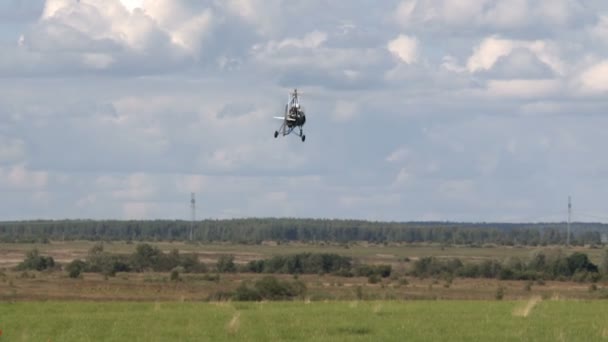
299	321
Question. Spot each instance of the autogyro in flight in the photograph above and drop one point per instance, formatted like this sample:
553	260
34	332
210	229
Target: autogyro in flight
294	117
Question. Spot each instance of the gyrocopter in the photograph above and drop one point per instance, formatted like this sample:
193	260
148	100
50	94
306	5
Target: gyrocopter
294	117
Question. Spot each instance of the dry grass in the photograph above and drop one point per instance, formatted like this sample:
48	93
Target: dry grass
233	326
157	287
525	310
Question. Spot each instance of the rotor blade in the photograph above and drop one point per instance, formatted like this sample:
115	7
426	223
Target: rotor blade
278	117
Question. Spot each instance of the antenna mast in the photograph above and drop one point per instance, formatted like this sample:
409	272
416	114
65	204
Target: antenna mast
193	207
569	215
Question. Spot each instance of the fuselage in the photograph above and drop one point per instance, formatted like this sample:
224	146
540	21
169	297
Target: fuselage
295	117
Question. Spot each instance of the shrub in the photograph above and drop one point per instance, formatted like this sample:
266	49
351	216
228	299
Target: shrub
373	279
75	268
225	264
500	293
35	261
175	275
269	288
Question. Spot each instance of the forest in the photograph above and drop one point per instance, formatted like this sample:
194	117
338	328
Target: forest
255	231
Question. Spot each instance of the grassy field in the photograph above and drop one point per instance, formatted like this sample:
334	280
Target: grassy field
50	306
41	286
150	286
533	320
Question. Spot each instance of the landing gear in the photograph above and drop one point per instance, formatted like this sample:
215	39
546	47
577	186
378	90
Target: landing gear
276	134
302	134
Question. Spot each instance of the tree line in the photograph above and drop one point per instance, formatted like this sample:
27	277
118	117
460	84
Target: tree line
150	258
317	263
257	230
542	266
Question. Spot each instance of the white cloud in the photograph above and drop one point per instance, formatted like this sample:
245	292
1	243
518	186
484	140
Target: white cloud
405	48
289	47
488	52
524	88
594	79
450	63
131	5
267	21
137	186
508	14
398	155
600	30
558	12
495	14
20	177
191	183
491	49
87	34
404	11
123	108
135	210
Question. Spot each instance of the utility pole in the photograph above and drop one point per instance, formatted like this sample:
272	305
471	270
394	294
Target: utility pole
569	216
193	207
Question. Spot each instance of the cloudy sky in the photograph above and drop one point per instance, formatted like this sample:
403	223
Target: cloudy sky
468	110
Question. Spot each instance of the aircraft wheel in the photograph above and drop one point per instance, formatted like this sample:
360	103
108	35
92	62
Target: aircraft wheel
303	138
276	134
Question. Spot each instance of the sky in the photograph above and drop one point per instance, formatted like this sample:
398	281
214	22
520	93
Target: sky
449	110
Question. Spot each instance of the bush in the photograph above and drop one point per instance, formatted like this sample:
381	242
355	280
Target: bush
35	261
75	268
373	279
246	293
269	288
146	257
175	275
225	264
500	293
304	263
272	288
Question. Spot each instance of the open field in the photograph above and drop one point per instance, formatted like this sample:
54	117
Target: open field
66	251
149	286
148	306
529	320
